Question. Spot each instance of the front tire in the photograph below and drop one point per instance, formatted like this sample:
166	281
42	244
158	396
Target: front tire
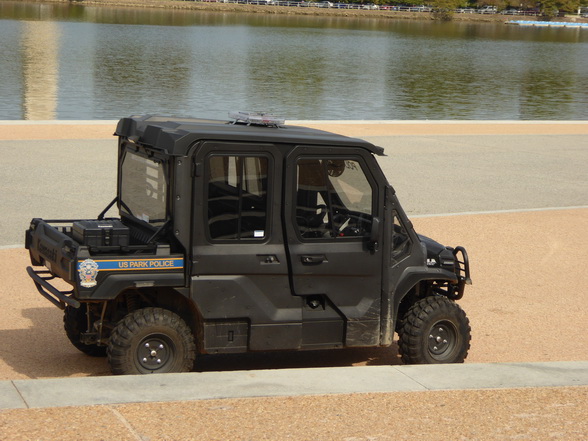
151	340
434	330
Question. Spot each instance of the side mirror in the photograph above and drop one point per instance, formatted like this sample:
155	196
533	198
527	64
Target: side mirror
373	242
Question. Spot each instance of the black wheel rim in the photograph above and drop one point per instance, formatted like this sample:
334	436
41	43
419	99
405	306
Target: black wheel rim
155	352
442	340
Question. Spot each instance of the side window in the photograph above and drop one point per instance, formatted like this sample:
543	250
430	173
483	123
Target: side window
143	190
334	199
237	197
400	241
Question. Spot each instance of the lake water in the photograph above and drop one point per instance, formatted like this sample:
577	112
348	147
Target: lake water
61	61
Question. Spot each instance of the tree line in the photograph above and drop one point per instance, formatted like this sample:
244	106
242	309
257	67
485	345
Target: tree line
547	8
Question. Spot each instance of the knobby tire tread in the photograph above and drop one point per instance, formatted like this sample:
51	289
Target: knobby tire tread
122	338
417	323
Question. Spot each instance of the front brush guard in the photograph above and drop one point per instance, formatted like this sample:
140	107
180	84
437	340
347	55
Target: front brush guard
462	270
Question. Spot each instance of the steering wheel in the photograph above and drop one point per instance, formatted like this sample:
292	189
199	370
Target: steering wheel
313	225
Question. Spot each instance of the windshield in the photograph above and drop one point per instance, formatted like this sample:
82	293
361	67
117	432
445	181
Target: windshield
143	189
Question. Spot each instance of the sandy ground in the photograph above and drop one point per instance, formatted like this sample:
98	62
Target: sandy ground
519	414
99	130
527	304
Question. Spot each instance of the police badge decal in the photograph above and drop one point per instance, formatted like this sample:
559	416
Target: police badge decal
88	271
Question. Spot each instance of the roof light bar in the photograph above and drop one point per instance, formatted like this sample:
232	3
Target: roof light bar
257	118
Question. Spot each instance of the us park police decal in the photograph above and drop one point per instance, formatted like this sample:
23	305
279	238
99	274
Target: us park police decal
88	269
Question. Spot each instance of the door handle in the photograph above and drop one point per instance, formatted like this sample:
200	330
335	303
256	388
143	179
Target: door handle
313	259
268	259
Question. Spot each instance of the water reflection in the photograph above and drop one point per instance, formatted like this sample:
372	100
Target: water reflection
80	62
40	70
494	79
178	17
139	75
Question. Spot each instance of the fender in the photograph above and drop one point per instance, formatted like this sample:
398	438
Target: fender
412	275
113	284
409	278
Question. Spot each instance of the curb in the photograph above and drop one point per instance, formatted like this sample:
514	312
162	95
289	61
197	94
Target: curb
89	391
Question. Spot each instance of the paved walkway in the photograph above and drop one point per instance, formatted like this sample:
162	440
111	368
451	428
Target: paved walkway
59	169
287	382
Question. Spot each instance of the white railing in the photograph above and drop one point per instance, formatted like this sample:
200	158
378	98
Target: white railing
326	4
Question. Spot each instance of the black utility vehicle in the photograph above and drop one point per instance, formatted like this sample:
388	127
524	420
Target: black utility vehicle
248	235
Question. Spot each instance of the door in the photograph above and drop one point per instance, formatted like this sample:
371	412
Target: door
239	267
332	229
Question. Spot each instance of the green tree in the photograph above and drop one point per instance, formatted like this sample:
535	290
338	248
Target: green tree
500	4
504	4
444	9
550	8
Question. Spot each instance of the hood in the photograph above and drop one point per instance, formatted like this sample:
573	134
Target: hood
438	255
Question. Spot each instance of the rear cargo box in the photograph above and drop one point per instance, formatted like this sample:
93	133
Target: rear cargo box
107	233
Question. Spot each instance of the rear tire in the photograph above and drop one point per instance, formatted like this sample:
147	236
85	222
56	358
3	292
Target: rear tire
74	323
434	330
151	340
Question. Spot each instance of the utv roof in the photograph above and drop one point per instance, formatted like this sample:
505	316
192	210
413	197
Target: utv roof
175	136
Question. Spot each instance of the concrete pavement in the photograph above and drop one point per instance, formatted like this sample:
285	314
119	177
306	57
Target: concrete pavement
89	391
435	168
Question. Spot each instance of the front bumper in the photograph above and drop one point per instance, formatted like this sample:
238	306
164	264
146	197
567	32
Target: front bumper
55	296
462	270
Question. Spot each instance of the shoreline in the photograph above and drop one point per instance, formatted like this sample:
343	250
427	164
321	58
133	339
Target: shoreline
216	7
97	129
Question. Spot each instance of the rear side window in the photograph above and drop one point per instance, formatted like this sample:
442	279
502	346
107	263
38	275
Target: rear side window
237	197
143	189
